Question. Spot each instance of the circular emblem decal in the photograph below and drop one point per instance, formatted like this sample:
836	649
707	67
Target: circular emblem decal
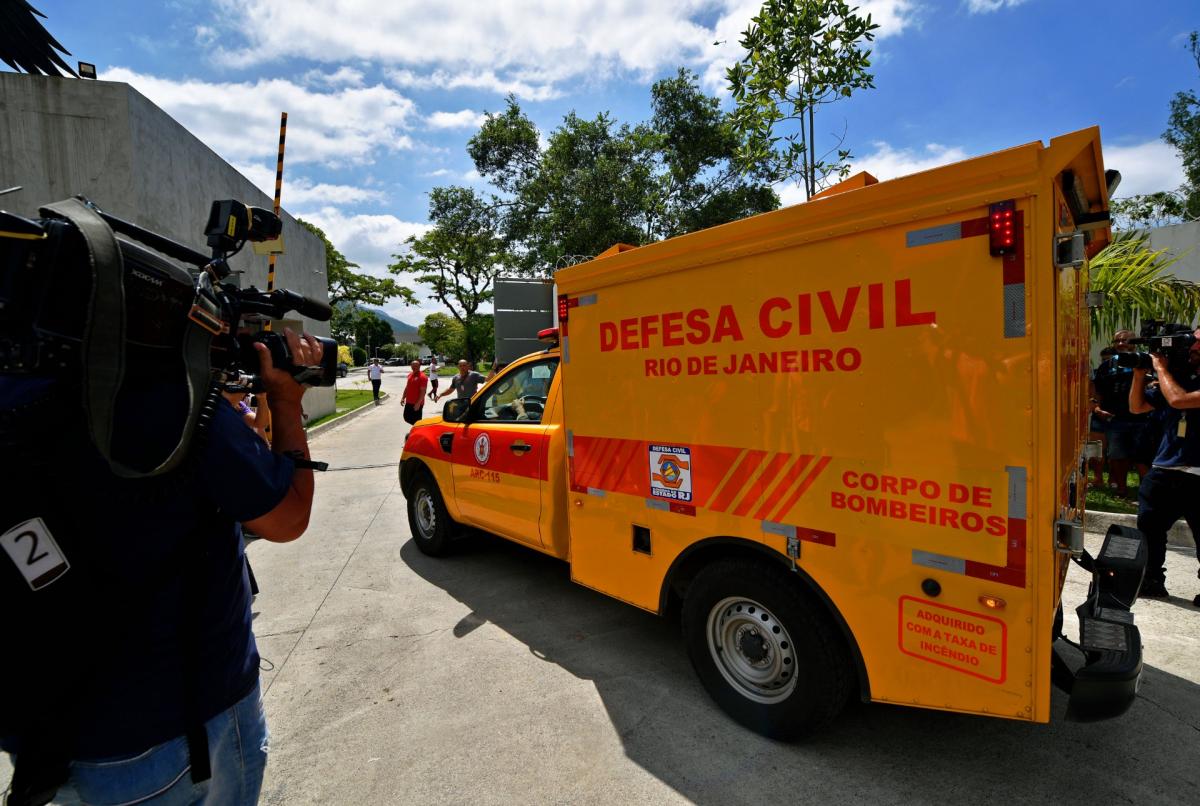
483	448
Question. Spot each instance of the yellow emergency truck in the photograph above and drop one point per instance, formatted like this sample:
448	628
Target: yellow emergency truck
841	441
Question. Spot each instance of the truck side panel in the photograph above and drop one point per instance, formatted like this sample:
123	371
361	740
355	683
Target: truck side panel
867	397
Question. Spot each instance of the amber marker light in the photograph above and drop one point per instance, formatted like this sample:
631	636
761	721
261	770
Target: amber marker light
994	602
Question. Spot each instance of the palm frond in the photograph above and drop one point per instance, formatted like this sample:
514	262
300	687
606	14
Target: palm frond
1136	286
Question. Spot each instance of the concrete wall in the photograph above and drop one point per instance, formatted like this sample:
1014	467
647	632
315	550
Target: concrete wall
60	137
1184	240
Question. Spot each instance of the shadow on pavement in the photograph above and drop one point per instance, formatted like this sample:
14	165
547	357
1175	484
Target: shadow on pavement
876	753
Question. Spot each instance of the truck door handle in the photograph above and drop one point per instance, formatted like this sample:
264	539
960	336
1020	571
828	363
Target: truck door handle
520	447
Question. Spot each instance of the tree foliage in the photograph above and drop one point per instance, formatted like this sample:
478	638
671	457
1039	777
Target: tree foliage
443	335
598	182
370	331
1136	286
459	258
1183	132
800	55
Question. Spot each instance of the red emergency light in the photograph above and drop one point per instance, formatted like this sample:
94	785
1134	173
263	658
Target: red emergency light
548	335
563	307
1002	228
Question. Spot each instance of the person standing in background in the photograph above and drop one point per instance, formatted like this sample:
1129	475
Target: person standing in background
433	377
414	393
375	373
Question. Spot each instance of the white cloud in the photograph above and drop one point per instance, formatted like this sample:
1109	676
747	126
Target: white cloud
475	80
531	48
462	119
299	191
240	121
988	6
1145	167
368	240
886	163
342	77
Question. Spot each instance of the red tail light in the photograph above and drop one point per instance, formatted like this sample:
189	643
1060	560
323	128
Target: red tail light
563	307
1002	228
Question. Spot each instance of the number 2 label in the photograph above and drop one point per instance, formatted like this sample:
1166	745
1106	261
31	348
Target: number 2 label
35	552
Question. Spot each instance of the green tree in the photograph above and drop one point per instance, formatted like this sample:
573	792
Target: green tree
598	182
443	335
371	332
459	258
1136	286
800	55
1183	132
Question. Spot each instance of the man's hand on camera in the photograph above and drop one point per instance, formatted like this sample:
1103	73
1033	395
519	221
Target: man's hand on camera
1159	361
305	350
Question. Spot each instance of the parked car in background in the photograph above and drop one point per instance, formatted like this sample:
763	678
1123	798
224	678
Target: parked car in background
342	369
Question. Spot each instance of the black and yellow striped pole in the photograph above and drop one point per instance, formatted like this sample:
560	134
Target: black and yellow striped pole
263	411
278	193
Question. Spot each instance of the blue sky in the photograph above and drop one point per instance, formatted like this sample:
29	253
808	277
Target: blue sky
382	95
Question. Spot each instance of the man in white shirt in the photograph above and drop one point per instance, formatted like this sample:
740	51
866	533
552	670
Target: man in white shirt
375	373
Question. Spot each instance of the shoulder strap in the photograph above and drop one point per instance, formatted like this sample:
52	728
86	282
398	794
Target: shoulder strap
103	349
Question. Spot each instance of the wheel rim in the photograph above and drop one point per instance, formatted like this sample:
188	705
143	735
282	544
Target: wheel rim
426	513
752	649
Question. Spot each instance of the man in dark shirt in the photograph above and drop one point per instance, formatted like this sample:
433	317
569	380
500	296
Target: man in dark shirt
1123	430
162	655
1171	490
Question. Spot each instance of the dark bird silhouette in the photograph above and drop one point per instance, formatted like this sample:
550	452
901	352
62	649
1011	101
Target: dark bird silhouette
25	44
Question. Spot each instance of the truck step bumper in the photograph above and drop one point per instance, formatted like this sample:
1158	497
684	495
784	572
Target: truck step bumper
1105	684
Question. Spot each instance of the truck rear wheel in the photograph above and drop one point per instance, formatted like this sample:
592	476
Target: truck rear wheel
430	523
765	651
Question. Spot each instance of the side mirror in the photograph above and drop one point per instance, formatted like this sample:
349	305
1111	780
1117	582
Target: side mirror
455	410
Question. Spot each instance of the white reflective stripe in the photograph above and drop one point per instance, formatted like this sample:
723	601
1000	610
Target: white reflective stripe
940	561
782	529
1016	492
596	492
654	503
932	235
588	299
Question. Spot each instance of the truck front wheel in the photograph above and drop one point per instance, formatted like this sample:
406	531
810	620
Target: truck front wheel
767	654
430	523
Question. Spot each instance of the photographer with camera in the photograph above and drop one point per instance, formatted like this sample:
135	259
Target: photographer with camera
1171	490
130	669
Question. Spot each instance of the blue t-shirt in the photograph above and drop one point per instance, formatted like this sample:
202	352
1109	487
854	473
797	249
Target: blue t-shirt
166	561
1174	450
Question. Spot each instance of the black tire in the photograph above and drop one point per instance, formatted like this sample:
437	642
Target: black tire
789	672
432	529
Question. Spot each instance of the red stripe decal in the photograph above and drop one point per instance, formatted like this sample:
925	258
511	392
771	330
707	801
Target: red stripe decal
785	484
617	463
600	463
803	488
760	484
975	226
816	536
683	509
994	573
749	462
1016	544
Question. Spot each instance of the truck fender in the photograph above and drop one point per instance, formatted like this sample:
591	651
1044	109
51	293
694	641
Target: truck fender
689	562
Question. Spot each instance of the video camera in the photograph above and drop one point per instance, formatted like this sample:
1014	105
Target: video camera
1171	340
48	304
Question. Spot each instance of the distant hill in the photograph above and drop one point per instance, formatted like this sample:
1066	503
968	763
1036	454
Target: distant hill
396	324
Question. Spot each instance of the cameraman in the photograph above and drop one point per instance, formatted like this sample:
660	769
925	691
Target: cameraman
1171	490
153	679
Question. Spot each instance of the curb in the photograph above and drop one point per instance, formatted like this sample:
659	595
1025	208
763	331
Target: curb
1180	534
331	425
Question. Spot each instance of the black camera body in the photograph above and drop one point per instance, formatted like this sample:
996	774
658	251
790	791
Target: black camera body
46	291
1171	340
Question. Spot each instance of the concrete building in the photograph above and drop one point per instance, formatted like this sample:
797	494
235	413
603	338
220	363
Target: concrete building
63	136
1184	241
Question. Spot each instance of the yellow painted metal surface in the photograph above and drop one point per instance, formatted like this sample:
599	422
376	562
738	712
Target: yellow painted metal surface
862	374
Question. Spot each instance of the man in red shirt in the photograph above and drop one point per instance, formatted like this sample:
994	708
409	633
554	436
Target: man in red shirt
414	393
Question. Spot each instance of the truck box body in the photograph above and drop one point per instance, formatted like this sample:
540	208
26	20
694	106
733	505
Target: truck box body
883	390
